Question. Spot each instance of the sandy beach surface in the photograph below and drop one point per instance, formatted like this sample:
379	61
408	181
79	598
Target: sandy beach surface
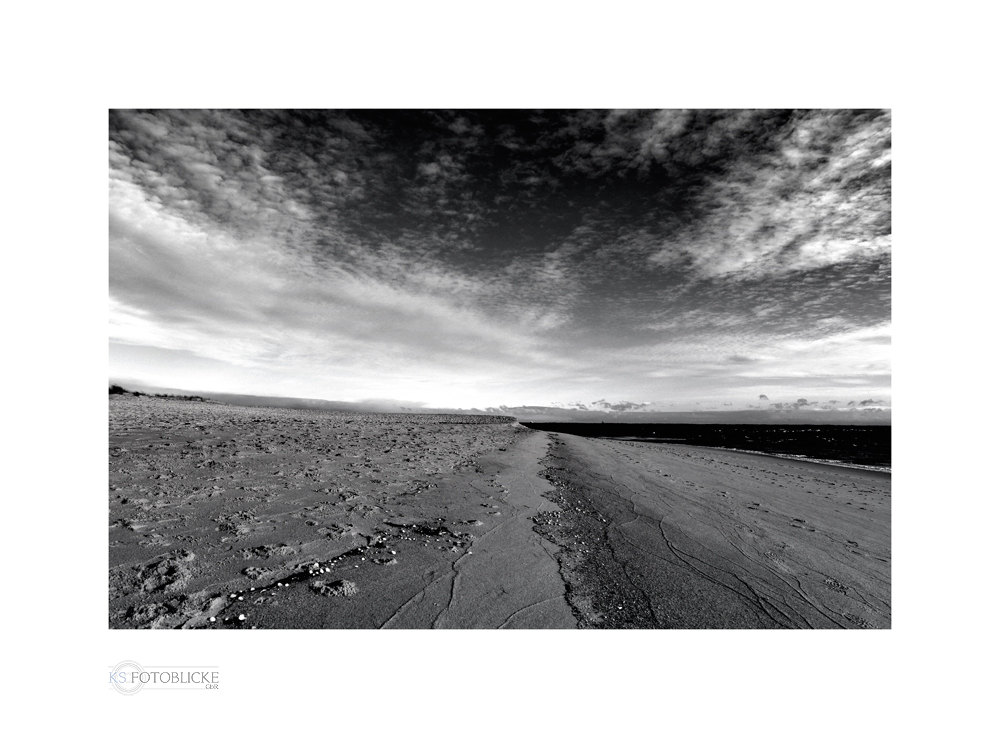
235	517
659	535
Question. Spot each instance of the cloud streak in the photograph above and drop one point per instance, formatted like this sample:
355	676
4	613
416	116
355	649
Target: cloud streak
479	258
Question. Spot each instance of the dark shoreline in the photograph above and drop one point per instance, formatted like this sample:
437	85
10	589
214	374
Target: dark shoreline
857	446
798	460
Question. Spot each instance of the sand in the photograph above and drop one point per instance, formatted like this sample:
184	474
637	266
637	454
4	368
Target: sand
231	517
306	519
669	536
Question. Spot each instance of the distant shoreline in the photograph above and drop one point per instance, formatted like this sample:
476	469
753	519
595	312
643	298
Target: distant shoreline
786	457
848	446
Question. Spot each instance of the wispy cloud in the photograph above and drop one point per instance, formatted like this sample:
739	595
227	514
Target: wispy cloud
821	199
477	258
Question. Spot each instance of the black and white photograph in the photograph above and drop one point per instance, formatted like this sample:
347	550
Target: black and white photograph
523	369
500	369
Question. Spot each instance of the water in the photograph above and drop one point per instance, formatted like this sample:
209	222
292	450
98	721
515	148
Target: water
864	446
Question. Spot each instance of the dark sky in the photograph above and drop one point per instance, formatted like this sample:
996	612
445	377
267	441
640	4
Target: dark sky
678	260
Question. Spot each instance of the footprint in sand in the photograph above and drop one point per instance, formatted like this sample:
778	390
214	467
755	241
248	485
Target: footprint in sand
255	573
836	586
339	588
858	620
168	573
266	552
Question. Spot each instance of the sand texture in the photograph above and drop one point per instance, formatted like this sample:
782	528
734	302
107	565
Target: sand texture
660	535
233	517
300	519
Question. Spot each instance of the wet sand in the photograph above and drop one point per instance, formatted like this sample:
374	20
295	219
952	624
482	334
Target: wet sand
665	536
305	519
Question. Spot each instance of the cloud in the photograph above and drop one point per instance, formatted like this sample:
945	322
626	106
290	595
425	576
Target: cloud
820	197
323	321
520	256
620	406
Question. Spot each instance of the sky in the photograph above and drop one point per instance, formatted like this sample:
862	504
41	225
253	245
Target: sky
630	261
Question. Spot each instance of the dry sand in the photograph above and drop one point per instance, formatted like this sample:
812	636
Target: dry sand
234	517
303	519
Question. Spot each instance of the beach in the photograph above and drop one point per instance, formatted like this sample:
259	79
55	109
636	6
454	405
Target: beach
244	517
657	535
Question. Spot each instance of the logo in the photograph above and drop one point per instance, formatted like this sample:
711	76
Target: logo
129	677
